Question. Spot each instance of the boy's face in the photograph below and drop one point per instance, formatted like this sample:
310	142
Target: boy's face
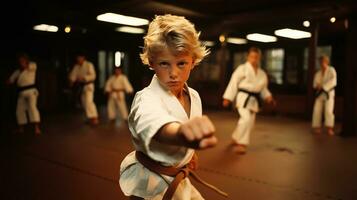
117	71
324	62
253	58
23	62
80	59
172	70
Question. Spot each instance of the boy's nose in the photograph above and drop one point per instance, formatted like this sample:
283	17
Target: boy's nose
174	72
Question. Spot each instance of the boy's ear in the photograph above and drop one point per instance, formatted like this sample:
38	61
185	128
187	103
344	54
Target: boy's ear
193	64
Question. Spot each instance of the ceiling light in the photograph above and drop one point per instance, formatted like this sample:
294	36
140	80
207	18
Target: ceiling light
292	33
128	29
306	23
67	29
236	40
332	19
122	19
208	43
261	37
45	27
222	38
117	56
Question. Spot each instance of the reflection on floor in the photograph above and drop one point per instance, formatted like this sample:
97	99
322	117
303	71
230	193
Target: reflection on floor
72	160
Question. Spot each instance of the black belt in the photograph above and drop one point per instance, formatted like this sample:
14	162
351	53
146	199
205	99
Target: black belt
20	89
85	83
322	91
255	95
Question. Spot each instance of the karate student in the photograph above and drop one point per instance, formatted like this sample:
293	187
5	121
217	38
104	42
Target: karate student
24	78
249	87
116	87
166	117
325	81
83	76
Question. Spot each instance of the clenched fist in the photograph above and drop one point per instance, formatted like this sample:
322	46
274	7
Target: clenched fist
198	133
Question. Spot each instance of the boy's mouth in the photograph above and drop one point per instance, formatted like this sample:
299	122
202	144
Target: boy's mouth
173	83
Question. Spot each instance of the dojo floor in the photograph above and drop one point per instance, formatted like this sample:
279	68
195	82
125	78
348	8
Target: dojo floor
72	160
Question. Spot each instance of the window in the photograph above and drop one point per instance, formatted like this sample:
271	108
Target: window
321	50
274	63
106	62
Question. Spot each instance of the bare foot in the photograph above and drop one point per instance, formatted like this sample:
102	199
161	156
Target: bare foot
94	121
37	129
240	149
317	130
330	131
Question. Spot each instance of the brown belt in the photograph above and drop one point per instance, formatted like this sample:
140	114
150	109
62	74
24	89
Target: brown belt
178	173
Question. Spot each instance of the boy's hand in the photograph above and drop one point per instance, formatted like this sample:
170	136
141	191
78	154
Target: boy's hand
198	133
225	103
271	100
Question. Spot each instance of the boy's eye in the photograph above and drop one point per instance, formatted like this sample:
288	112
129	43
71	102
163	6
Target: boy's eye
164	64
182	64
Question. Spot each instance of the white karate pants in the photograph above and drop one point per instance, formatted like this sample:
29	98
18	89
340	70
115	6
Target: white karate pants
241	134
116	104
88	103
326	106
27	102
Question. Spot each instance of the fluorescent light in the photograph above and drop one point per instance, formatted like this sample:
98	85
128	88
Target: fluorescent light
208	43
45	27
332	19
117	59
292	33
261	37
236	40
128	29
306	23
122	19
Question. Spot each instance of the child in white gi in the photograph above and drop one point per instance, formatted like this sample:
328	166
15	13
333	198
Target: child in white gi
24	78
166	117
248	86
116	87
83	75
325	81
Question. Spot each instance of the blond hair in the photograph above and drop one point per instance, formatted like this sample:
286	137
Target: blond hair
174	33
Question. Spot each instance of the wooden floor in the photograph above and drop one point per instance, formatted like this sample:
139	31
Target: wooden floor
72	160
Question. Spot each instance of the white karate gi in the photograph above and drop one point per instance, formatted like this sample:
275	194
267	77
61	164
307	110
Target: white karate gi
86	71
116	86
27	99
152	108
244	77
325	101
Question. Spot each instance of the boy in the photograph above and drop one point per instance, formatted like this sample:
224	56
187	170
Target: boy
325	81
115	87
166	117
83	75
249	85
24	78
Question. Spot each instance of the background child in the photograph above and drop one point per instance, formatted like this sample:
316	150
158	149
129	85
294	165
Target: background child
166	117
25	78
116	87
325	81
83	76
249	86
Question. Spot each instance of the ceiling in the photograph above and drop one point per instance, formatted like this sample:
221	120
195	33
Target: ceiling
212	17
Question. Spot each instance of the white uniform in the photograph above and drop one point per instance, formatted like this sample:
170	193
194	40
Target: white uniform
116	86
27	98
326	100
152	108
86	71
245	78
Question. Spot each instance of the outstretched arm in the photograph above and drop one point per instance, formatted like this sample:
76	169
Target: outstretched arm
195	133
